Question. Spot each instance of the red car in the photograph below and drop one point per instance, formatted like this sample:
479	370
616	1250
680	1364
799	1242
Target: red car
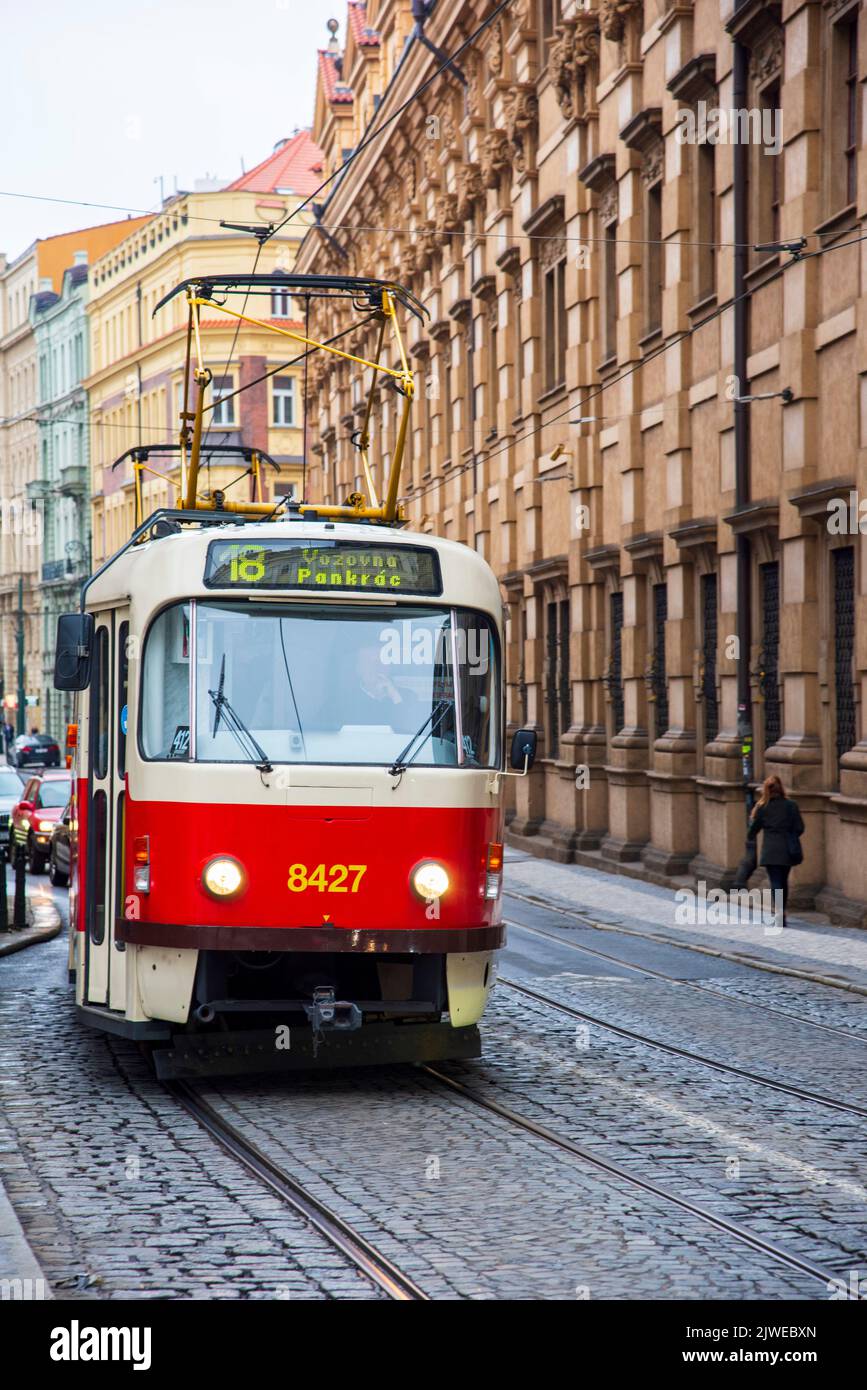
36	814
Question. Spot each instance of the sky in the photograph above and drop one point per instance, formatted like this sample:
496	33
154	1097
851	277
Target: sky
101	98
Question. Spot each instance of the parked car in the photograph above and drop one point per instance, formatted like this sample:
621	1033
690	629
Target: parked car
34	750
11	784
34	817
58	852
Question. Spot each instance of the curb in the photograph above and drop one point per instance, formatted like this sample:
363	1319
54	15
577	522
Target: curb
45	923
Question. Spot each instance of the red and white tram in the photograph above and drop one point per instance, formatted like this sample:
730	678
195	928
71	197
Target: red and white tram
288	788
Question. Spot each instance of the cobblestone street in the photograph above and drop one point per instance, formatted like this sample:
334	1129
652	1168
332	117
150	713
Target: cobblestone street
699	1131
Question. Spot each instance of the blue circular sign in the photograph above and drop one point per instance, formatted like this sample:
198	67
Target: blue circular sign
123	719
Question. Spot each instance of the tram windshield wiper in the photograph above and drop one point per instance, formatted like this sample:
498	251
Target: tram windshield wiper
435	718
249	745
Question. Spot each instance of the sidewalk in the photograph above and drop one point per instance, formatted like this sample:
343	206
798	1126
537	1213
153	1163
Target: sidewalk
43	919
809	947
21	1276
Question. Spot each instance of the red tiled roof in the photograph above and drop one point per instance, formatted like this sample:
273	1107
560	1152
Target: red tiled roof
364	36
335	89
295	165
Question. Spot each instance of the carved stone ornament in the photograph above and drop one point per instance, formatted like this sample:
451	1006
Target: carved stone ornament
585	45
447	213
608	204
653	164
430	161
449	129
520	109
552	250
495	158
470	188
563	71
614	15
494	51
474	85
767	58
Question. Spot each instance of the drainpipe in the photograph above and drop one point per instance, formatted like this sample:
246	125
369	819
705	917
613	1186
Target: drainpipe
742	423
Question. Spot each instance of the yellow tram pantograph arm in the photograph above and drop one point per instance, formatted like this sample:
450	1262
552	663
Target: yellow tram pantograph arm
404	376
138	468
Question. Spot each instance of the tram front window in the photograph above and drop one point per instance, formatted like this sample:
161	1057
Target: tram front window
334	683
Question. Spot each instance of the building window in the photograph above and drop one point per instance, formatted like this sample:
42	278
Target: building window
283	395
843	627
549	14
769	659
850	152
707	682
614	679
769	174
654	260
447	415
558	689
281	304
554	324
658	678
224	410
609	292
706	209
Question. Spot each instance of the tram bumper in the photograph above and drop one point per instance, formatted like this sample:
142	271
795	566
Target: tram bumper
257	1051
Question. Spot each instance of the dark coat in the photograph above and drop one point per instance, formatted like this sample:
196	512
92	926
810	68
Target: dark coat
777	819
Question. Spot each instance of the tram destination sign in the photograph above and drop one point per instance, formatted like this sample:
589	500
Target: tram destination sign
323	565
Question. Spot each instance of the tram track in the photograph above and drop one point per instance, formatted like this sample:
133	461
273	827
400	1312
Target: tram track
799	1092
587	921
339	1233
721	1223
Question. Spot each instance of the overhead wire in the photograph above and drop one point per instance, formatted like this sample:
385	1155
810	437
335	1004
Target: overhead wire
637	366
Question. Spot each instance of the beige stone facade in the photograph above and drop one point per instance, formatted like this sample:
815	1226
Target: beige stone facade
564	207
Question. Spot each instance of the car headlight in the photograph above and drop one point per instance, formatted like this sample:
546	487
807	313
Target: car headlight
46	825
429	880
224	877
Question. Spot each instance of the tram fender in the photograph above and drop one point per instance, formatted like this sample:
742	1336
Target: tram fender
165	981
468	980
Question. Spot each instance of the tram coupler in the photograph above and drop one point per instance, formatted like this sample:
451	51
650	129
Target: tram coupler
327	1014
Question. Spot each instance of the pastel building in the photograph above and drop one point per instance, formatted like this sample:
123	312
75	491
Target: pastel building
38	271
137	362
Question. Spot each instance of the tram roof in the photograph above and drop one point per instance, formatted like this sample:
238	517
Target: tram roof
172	566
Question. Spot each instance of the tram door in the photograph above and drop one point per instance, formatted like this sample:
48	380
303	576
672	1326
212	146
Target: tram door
105	956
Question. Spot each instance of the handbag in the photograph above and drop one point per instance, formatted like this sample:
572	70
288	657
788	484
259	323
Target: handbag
793	847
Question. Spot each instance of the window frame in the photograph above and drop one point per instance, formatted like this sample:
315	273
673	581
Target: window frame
228	400
496	754
279	393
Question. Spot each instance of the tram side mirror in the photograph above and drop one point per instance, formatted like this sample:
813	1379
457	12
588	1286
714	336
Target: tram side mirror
523	749
72	653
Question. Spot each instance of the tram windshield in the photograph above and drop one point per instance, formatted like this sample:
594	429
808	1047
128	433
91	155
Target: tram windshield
321	683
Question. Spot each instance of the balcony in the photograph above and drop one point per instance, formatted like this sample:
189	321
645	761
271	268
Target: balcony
72	479
54	570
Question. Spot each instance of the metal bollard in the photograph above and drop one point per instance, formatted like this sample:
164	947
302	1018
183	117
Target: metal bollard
19	911
4	900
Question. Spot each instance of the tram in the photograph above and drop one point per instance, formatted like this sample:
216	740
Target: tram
287	842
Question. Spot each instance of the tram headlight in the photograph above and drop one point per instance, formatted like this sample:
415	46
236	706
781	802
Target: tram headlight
429	880
224	877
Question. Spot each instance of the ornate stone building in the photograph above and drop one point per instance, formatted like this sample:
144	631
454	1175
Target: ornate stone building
600	415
